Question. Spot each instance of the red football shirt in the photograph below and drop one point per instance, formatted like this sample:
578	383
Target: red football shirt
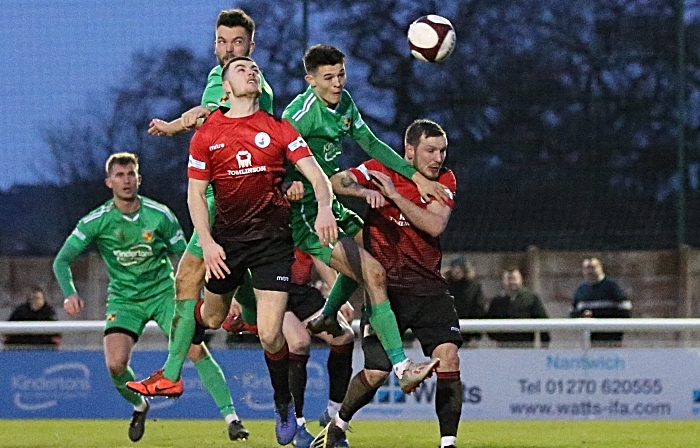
410	256
243	158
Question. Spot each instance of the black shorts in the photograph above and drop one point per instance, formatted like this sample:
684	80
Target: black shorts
269	260
304	301
432	319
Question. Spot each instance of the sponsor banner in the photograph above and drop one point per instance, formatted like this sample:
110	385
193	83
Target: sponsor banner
75	384
604	384
498	384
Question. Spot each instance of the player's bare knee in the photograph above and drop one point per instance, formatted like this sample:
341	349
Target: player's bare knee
375	378
189	278
197	352
375	275
449	357
116	367
213	321
300	345
272	341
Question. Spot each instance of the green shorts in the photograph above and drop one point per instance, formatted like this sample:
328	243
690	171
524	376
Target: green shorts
193	246
133	315
305	238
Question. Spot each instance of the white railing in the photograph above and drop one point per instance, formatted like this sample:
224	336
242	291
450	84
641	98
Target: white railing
584	325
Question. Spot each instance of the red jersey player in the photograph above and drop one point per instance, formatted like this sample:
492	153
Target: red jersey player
241	151
402	233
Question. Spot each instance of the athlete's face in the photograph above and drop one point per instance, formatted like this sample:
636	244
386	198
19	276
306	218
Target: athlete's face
232	42
328	82
242	80
124	181
428	156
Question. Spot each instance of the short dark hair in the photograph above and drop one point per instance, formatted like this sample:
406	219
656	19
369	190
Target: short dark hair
122	158
224	70
319	55
236	17
422	127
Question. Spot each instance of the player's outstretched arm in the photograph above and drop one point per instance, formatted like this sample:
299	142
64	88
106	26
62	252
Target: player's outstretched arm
345	183
214	254
432	220
325	225
190	120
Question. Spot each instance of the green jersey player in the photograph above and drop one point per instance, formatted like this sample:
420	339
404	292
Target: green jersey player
323	115
135	236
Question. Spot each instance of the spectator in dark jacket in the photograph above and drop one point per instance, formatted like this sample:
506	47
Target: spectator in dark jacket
516	302
466	290
600	296
34	309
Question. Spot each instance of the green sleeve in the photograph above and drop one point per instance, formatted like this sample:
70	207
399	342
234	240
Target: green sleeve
214	90
174	236
379	150
76	242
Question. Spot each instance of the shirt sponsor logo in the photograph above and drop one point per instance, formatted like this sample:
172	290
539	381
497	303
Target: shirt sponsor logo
330	151
401	222
134	255
262	139
244	158
194	163
217	146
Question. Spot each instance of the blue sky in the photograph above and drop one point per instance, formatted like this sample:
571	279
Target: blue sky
58	56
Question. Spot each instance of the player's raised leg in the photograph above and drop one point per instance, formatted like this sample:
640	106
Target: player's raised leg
351	259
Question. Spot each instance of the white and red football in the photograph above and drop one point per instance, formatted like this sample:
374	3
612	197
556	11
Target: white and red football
431	38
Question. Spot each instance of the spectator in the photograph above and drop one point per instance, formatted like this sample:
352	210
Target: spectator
599	296
34	309
466	290
516	302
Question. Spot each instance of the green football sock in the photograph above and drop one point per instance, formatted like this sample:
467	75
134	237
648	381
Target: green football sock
120	383
383	321
181	332
343	288
245	295
214	381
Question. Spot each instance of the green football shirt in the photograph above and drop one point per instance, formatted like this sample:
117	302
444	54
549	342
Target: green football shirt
323	129
135	248
214	95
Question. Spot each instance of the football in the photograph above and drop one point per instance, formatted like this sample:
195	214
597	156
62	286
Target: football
431	38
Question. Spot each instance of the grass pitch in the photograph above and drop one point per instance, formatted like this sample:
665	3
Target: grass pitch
364	434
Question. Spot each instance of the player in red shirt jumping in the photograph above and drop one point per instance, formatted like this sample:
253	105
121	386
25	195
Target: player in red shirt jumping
242	151
402	233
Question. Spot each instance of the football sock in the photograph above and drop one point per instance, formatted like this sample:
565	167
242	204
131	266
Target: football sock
232	417
342	289
448	402
359	394
278	366
214	381
339	371
383	321
297	380
120	381
181	332
245	295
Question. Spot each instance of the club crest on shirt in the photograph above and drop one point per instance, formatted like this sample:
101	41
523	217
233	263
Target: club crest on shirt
111	317
147	235
346	123
262	139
